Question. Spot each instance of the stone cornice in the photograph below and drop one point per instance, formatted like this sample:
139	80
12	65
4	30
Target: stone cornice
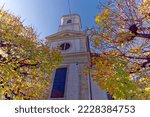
77	54
66	35
79	57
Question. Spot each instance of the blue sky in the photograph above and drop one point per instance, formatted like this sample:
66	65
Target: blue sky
45	15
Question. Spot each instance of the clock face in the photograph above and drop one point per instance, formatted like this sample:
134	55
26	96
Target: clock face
64	46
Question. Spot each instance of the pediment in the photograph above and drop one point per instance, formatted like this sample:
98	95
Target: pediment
66	34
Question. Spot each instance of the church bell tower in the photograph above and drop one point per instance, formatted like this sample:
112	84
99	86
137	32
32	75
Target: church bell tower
69	81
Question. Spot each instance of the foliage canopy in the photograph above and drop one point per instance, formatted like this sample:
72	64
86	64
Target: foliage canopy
121	43
25	62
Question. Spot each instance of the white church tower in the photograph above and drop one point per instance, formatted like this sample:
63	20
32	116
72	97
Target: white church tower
69	81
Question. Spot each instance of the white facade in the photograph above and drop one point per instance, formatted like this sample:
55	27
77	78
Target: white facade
76	57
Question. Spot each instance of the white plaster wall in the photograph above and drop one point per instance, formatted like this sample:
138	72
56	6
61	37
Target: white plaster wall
76	20
97	93
73	83
83	45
